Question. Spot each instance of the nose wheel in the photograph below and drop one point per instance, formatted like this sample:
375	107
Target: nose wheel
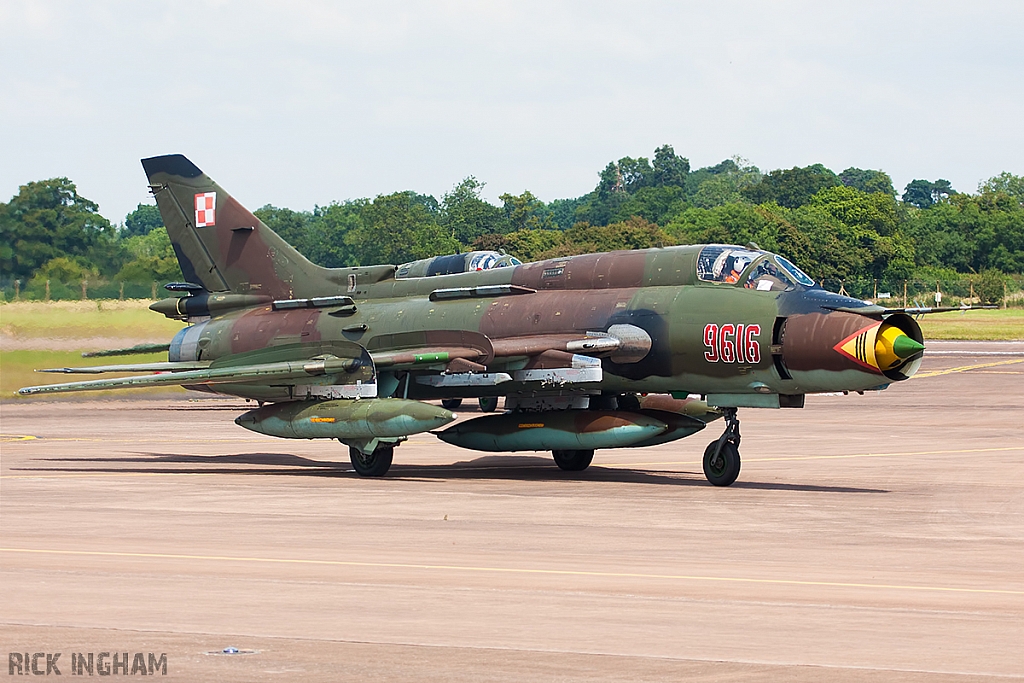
722	457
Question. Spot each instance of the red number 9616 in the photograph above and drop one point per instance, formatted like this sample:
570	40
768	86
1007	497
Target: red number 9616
731	343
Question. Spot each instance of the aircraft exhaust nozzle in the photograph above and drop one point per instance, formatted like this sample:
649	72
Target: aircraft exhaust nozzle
345	418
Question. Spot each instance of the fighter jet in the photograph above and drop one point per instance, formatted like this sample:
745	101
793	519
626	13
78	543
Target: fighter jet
599	351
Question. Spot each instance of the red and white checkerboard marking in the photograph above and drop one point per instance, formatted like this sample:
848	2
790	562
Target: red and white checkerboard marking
206	209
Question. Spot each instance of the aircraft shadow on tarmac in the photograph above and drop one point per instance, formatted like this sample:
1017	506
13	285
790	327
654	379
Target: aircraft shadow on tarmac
488	467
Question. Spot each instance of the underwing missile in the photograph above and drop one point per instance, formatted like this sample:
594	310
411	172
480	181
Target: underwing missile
345	418
554	430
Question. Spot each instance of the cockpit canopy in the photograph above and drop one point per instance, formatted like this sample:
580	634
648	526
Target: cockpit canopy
754	268
456	263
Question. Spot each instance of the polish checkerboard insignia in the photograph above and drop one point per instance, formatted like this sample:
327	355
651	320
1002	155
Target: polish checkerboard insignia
206	209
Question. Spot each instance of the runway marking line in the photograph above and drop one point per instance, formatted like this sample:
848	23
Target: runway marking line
964	368
75	475
512	570
16	437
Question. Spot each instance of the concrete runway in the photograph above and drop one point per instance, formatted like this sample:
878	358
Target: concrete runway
869	538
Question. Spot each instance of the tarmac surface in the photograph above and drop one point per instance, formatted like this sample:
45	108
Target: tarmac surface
869	538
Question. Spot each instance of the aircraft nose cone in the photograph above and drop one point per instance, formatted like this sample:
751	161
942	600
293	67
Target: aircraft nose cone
905	347
893	346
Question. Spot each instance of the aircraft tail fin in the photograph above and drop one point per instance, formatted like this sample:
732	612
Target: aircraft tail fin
220	244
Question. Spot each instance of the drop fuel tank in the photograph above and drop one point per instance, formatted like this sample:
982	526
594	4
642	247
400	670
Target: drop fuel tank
345	418
554	430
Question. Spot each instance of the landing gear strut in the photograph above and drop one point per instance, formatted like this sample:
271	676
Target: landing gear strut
722	457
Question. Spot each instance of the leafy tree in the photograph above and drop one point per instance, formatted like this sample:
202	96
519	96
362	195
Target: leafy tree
526	245
741	223
990	286
634	173
924	193
525	212
320	235
670	169
854	234
723	224
152	258
971	233
292	226
655	204
867	180
620	180
697	178
563	212
792	187
48	219
728	184
466	216
327	235
143	219
1005	183
396	228
64	269
597	206
633	233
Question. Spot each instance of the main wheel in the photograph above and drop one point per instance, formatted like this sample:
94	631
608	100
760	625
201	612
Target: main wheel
451	403
488	404
573	461
723	469
374	464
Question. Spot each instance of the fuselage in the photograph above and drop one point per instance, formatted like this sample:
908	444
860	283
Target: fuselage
760	330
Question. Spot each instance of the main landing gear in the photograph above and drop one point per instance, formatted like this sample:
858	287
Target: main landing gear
375	464
575	460
722	457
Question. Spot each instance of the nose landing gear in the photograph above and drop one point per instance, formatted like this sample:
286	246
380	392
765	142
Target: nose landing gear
722	457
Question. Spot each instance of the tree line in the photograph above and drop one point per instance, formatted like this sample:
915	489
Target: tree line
853	224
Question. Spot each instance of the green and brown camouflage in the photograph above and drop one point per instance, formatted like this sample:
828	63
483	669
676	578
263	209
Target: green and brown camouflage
565	339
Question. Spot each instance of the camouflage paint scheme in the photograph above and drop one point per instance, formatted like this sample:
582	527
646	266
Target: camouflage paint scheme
643	318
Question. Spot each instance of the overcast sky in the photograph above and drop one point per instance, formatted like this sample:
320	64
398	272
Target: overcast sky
301	103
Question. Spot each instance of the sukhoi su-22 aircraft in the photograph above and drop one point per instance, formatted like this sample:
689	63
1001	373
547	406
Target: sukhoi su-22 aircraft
585	349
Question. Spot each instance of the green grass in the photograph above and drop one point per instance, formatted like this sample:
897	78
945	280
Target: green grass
62	324
997	325
85	319
18	369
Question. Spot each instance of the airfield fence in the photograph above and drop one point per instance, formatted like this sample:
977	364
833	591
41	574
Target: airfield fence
890	292
57	290
912	292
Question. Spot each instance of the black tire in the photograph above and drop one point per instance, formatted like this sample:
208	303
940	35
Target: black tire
488	404
724	469
451	403
375	464
573	461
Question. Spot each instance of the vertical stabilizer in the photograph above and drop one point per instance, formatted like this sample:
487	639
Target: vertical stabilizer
220	244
